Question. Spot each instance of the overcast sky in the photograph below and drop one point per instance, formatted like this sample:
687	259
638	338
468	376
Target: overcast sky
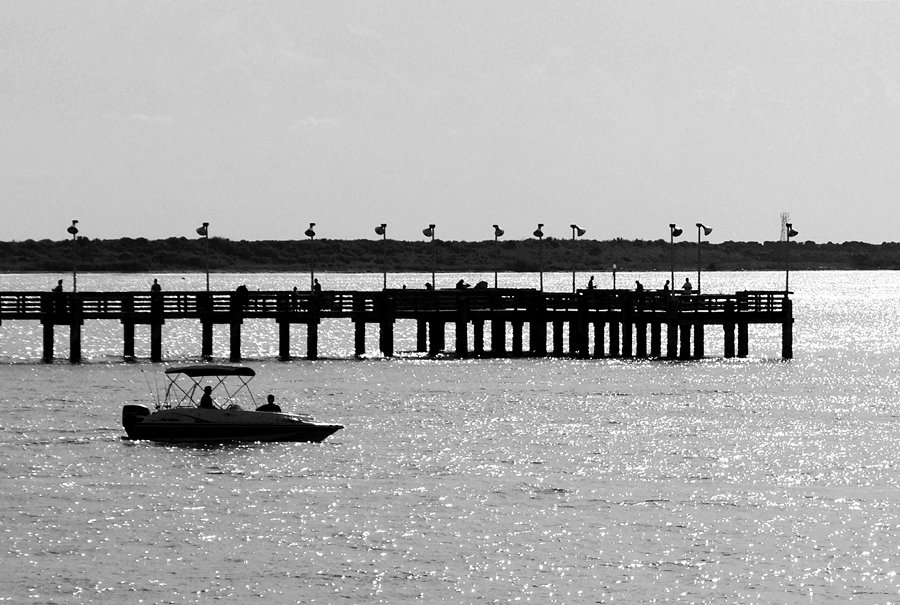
145	119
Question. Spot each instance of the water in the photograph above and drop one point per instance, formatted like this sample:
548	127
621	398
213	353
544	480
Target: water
471	481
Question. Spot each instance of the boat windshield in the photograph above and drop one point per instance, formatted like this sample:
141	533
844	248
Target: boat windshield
230	385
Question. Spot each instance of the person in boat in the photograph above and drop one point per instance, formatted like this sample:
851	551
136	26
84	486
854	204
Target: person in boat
270	405
206	401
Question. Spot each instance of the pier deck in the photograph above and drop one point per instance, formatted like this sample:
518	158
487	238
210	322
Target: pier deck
621	319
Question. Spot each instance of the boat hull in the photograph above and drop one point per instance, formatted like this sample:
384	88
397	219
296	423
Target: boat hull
219	426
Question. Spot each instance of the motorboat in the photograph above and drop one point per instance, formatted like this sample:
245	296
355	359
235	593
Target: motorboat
226	412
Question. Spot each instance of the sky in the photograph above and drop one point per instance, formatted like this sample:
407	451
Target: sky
148	118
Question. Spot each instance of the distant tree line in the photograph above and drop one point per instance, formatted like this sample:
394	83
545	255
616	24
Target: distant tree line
179	254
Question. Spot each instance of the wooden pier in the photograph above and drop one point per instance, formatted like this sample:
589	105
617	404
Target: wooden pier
601	323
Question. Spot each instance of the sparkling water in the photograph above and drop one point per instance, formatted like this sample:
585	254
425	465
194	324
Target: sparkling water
468	481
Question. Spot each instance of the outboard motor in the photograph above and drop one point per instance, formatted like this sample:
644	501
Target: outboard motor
131	414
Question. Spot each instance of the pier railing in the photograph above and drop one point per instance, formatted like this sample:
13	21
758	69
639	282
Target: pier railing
118	305
626	308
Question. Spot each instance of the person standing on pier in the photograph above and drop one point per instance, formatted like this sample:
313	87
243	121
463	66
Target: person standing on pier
638	286
317	287
155	287
59	302
590	285
687	287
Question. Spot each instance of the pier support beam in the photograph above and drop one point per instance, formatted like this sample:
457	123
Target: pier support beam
436	336
685	335
517	342
599	337
478	337
582	330
75	342
235	341
614	339
698	341
386	337
537	336
312	340
421	336
558	338
498	337
155	341
574	348
206	338
128	340
743	339
48	341
671	340
641	348
284	340
728	330
627	339
359	337
462	337
787	330
656	339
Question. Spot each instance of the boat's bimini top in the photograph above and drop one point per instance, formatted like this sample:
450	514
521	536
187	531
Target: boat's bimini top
178	394
211	370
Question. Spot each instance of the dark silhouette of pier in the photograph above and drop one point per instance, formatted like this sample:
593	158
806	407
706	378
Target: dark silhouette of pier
600	323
